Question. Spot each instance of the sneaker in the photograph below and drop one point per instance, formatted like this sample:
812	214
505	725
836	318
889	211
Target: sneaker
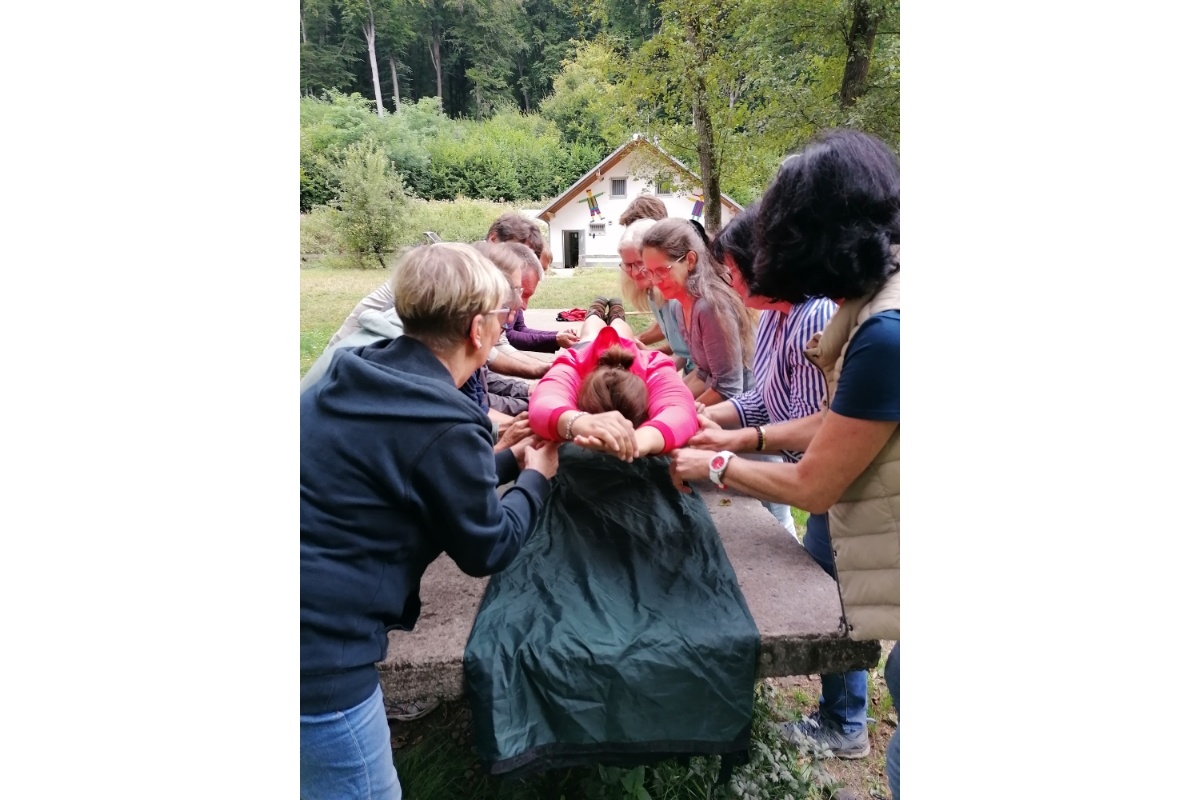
408	712
616	309
822	734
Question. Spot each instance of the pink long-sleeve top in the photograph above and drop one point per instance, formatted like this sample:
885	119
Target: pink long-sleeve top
672	411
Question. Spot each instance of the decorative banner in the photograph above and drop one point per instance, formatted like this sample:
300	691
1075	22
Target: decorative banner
698	208
593	204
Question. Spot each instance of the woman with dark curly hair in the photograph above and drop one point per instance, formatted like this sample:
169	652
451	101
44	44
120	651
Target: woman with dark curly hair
829	226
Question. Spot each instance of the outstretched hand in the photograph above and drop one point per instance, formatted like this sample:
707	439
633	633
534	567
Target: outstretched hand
711	436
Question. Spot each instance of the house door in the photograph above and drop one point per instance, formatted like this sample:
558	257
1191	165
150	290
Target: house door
571	241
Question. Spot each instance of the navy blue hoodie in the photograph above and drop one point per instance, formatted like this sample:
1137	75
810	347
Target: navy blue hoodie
396	466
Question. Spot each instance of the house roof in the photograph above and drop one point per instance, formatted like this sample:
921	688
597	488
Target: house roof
612	158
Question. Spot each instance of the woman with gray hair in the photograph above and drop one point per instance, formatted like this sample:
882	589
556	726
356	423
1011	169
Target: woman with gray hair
639	289
396	467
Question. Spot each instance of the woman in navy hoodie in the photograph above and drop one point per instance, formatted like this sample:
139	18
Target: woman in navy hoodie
396	467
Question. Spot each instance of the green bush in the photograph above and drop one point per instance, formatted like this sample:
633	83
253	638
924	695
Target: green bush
318	231
370	202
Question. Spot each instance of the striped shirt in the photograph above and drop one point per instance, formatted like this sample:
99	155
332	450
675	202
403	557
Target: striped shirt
786	385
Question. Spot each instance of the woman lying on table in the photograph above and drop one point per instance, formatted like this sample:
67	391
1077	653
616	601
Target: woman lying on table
606	394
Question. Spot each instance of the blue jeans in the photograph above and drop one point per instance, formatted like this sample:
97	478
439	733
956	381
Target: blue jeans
348	754
891	674
843	695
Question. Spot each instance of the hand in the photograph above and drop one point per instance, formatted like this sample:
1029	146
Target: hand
519	449
514	431
711	436
689	465
609	432
701	409
566	338
542	456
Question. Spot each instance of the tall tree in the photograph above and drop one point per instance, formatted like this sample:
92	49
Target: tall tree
364	13
690	80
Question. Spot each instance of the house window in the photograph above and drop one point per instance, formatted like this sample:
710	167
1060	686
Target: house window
618	187
664	186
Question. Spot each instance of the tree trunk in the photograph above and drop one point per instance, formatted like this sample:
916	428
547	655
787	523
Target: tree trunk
303	35
395	83
369	33
859	45
521	81
710	173
435	52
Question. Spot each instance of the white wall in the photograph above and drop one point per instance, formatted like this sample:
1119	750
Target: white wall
603	248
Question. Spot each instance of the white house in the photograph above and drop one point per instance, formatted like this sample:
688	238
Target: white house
583	220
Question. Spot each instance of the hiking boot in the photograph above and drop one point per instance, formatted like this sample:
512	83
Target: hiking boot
408	712
599	307
823	734
616	309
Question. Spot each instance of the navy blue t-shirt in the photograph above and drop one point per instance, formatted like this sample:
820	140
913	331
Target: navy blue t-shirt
869	388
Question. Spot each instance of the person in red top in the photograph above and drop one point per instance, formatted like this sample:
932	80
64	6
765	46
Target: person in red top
607	394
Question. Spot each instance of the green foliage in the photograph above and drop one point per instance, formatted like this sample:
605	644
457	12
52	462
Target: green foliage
768	73
459	220
510	157
318	231
586	104
370	199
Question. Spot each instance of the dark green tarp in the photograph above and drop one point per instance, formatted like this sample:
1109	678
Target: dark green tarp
618	635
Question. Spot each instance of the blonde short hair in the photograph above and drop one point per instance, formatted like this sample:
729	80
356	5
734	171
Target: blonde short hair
629	289
440	287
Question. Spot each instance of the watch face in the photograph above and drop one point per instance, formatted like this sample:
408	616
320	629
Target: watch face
718	462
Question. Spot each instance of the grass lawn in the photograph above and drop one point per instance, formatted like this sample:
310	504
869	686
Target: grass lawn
327	296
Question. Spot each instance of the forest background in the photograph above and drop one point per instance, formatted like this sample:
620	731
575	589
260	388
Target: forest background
511	101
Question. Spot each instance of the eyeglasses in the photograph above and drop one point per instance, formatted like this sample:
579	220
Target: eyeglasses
660	273
503	311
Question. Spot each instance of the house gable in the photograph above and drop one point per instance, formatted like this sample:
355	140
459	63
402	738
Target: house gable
587	212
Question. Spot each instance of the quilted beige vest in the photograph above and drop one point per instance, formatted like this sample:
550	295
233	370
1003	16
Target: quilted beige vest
864	525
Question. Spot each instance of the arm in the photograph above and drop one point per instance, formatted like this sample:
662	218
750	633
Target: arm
456	484
379	300
794	435
727	414
524	338
841	450
695	384
518	366
553	396
652	334
723	354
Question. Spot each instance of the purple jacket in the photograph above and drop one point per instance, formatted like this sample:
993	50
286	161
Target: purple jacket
524	338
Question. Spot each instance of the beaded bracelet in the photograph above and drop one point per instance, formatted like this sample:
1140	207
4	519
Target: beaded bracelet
762	439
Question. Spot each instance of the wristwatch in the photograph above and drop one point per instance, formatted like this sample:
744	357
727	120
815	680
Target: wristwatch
717	467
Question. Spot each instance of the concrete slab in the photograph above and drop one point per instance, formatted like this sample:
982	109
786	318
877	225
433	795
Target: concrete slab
793	602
